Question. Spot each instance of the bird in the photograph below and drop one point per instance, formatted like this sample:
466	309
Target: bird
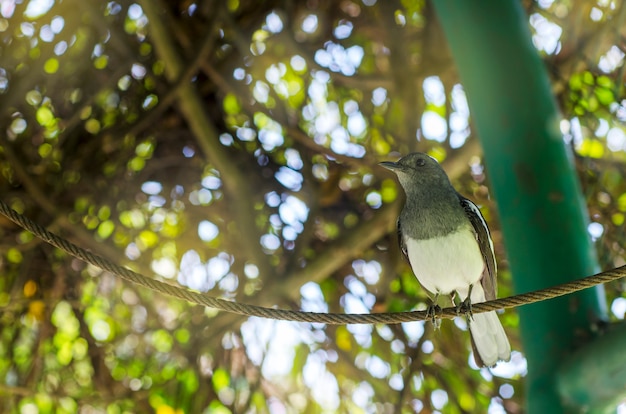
449	248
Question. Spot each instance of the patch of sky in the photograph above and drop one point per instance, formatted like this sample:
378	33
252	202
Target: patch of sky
297	63
272	199
547	35
595	230
165	267
270	242
377	367
340	143
362	394
293	212
616	139
413	331
203	276
611	60
433	125
516	367
434	91
207	231
312	298
293	159
369	271
339	59
151	187
379	96
343	29
309	24
261	91
618	307
246	134
273	23
323	384
289	178
37	8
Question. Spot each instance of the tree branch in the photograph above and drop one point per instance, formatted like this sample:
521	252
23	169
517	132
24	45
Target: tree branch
192	108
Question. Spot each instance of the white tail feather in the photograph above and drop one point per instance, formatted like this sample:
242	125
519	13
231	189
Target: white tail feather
488	336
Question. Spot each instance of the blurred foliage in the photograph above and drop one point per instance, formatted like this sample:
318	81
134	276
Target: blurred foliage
232	147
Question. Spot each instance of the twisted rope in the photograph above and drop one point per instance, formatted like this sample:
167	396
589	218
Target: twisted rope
299	316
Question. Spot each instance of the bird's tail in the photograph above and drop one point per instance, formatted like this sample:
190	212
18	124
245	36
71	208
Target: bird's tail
489	341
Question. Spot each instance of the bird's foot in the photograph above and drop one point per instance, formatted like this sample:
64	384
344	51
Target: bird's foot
465	307
432	313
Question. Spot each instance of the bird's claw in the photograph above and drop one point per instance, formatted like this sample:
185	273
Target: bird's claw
432	312
465	307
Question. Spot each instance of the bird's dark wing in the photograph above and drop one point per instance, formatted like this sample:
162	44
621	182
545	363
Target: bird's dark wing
401	242
483	237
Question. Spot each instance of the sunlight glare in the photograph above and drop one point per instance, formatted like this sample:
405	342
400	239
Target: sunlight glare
413	331
434	126
37	8
207	231
547	34
309	24
274	23
434	91
312	298
517	366
164	267
611	60
323	384
618	307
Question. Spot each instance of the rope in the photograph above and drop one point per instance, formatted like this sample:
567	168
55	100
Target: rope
299	316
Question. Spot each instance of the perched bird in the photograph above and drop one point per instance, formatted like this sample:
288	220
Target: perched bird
447	243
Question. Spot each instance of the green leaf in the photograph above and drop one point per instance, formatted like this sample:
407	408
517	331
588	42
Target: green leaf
147	239
389	191
605	82
591	148
44	150
92	126
621	202
231	104
162	341
576	82
104	213
189	380
33	97
137	164
51	66
44	116
101	62
14	255
220	379
105	229
343	339
182	335
145	149
605	96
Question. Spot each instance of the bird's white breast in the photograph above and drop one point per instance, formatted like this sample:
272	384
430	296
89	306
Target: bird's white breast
446	264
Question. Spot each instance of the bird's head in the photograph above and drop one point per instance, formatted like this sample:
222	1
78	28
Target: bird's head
417	169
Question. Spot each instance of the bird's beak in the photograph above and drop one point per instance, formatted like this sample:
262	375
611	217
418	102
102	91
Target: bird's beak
390	165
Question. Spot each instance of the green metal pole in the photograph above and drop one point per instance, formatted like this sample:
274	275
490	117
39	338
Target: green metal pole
594	377
543	214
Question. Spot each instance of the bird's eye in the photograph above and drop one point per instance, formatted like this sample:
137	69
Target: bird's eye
420	162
